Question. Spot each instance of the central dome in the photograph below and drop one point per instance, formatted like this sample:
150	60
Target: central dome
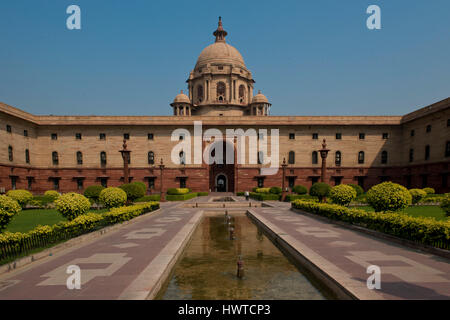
220	52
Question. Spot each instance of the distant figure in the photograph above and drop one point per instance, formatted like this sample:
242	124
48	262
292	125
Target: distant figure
247	195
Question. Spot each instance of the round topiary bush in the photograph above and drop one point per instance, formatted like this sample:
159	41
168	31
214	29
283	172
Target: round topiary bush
141	184
445	205
133	191
388	196
177	191
113	197
72	204
93	192
262	190
21	196
52	194
299	189
342	194
8	208
417	195
320	190
359	190
429	190
275	190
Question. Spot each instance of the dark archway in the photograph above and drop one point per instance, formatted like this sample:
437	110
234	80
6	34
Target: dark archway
221	183
224	169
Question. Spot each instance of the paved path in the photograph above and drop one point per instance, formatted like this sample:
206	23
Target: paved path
345	254
112	266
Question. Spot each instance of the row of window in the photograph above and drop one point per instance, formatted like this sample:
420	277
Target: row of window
338	136
102	136
337	157
428	151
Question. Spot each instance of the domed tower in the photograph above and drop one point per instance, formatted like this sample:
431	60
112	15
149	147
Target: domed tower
181	105
260	105
220	84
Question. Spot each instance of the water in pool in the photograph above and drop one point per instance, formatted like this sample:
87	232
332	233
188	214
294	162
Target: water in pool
208	267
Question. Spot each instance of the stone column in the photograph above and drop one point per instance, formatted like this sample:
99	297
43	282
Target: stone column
283	166
323	154
161	167
125	156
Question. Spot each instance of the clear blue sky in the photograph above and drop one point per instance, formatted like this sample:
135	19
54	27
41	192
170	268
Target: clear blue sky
312	57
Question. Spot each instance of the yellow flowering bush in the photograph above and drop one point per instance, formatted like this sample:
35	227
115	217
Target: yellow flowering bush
445	205
342	194
429	190
21	196
388	196
177	191
127	213
113	197
8	208
425	230
417	195
72	204
52	194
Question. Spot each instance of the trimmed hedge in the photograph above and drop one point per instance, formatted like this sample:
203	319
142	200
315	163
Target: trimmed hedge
445	205
16	244
429	190
292	197
299	189
177	191
261	190
202	194
93	192
8	209
21	196
181	197
420	229
276	190
417	195
152	197
264	196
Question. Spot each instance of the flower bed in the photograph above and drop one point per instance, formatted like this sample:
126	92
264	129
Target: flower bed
423	230
15	244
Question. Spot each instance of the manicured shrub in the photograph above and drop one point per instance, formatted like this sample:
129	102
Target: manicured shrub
93	192
320	190
21	196
8	208
202	194
122	214
177	191
133	191
52	194
299	189
428	231
388	196
445	205
359	190
180	197
417	195
342	194
72	204
429	190
141	184
240	193
264	196
275	190
152	197
113	197
262	190
292	197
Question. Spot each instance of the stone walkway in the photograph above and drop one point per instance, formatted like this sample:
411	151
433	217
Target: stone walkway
129	262
345	254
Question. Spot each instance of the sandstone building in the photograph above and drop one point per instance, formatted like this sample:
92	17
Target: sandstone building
68	153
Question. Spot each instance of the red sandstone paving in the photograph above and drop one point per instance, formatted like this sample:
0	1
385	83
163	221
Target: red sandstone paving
101	287
392	286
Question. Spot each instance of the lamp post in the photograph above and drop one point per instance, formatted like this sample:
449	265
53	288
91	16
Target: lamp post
161	167
126	158
283	193
323	154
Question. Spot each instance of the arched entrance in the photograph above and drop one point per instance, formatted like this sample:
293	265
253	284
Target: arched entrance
221	183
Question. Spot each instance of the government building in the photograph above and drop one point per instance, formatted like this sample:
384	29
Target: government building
69	153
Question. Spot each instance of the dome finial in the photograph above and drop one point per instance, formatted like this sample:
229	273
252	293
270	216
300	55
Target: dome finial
220	34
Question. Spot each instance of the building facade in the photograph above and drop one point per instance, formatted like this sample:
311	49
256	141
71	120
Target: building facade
69	153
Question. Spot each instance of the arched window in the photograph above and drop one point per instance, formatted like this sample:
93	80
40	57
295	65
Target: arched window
182	158
27	156
200	93
338	158
151	157
361	157
314	157
384	157
55	158
79	158
427	152
241	93
103	158
10	153
291	157
260	157
221	89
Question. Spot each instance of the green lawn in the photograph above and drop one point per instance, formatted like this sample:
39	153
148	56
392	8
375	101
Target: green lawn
420	211
27	220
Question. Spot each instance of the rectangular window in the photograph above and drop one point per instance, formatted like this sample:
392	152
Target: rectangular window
78	136
361	182
104	182
428	128
150	136
151	183
30	183
291	136
314	180
447	149
408	182
385	135
8	128
25	133
411	155
181	137
424	181
102	136
182	182
448	122
54	136
13	183
338	136
56	184
291	182
362	136
315	136
80	184
413	132
444	180
337	181
126	136
260	182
